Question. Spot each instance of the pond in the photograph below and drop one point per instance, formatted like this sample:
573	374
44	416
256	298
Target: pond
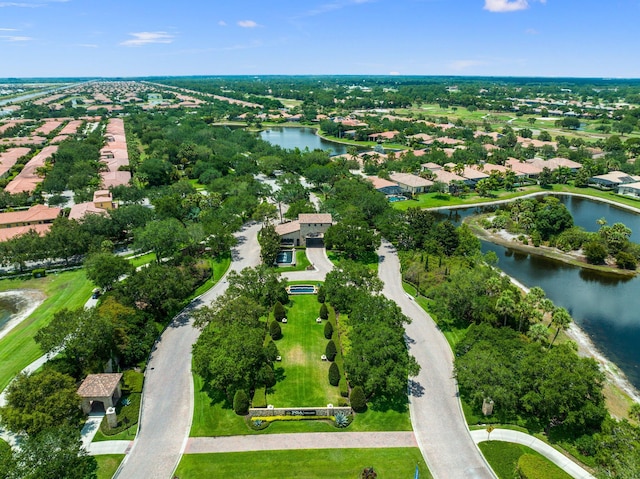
294	137
605	307
16	305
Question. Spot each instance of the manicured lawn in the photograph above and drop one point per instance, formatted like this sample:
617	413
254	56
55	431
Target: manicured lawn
503	458
300	464
302	375
219	266
127	415
302	262
141	260
108	464
371	261
64	290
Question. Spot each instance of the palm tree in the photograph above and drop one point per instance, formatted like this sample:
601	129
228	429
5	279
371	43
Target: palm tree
506	305
539	333
562	319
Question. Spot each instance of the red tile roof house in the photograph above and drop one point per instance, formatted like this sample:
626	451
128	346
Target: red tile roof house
384	186
523	169
10	157
102	202
307	230
384	136
413	184
28	178
37	218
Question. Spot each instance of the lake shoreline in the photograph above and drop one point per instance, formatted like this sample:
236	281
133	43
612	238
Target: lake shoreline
33	298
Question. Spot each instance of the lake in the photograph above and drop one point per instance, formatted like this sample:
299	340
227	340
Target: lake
10	304
605	307
294	137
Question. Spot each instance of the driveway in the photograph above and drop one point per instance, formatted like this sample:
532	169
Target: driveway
318	258
436	416
167	405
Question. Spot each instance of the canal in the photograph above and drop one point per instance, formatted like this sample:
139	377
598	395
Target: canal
605	307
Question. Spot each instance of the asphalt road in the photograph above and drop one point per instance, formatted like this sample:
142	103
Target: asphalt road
167	407
437	419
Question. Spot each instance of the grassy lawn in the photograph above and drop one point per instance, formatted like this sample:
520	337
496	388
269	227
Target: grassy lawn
305	463
219	267
127	415
370	261
302	376
504	456
142	260
302	262
64	290
108	464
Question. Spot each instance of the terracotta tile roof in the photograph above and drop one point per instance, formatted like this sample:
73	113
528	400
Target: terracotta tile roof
27	179
410	180
115	178
447	177
431	166
80	210
8	233
9	158
380	182
522	167
489	167
99	385
48	127
315	218
33	215
473	173
286	228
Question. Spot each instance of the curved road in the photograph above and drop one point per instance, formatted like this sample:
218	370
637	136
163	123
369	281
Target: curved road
167	407
437	419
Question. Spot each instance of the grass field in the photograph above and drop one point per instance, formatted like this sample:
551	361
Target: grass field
301	464
108	464
302	375
64	290
141	260
503	458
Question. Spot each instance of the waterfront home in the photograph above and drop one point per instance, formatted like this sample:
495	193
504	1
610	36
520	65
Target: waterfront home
612	180
384	186
409	183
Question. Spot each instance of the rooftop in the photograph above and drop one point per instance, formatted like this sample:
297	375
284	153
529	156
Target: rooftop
99	385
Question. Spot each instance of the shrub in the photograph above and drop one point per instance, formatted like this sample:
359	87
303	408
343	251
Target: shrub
535	467
241	402
324	312
39	273
368	473
271	350
331	351
275	331
536	239
267	376
321	295
626	260
334	374
328	330
358	400
344	390
341	419
279	312
595	252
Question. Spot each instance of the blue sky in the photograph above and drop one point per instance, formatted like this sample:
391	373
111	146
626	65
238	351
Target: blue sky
227	37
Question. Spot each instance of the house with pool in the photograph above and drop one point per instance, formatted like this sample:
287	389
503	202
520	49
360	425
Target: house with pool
307	230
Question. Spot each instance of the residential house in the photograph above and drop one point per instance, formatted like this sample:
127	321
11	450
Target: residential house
384	136
630	189
101	204
384	186
37	218
307	230
523	169
409	183
612	180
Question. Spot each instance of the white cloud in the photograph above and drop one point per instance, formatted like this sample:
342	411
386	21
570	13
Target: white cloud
247	24
145	38
464	64
15	38
531	31
505	5
87	45
394	73
8	30
19	5
222	23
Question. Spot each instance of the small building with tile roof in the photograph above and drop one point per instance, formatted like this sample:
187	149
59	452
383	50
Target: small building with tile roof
104	388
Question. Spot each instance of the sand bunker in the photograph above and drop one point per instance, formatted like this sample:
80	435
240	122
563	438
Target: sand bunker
26	301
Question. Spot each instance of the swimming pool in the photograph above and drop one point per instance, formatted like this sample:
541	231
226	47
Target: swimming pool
302	289
394	198
285	257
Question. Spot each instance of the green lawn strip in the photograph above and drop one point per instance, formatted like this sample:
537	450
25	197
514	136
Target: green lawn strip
138	261
303	376
302	262
504	456
64	290
370	261
304	463
219	267
108	464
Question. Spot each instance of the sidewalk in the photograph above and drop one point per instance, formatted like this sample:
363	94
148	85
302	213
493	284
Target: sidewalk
537	445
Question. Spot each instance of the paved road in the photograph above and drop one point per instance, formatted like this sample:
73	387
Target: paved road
313	440
167	407
437	419
318	258
536	444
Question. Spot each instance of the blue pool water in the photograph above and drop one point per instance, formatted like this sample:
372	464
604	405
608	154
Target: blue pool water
393	199
302	288
285	257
